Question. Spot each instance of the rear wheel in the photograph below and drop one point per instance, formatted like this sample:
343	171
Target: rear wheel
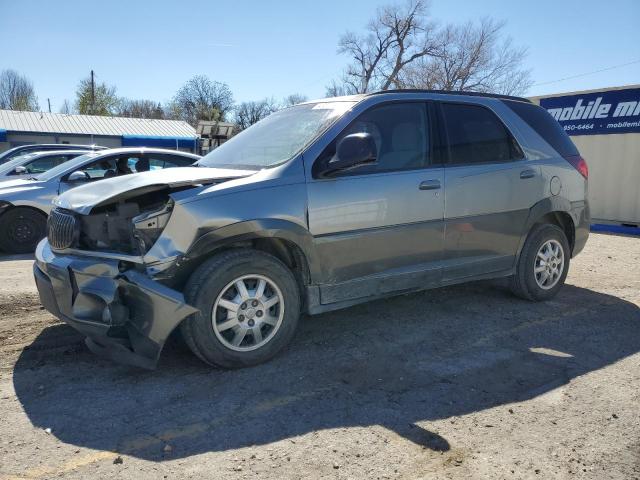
21	229
543	264
249	306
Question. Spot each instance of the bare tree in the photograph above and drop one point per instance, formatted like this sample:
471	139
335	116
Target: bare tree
201	99
399	35
66	107
140	109
402	48
472	57
293	99
16	92
248	113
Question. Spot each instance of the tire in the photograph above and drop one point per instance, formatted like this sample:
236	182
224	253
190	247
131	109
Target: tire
21	229
213	286
538	286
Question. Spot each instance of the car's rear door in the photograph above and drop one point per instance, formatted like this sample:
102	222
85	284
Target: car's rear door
379	228
489	189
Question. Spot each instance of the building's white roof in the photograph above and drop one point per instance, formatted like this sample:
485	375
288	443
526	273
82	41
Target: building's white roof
41	122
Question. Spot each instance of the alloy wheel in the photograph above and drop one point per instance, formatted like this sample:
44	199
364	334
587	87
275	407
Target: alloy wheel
549	264
248	312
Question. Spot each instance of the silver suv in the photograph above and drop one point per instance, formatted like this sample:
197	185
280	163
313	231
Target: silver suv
319	206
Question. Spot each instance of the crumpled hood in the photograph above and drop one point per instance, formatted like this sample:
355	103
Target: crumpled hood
83	198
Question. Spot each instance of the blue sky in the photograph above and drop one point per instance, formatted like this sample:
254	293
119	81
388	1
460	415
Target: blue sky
148	49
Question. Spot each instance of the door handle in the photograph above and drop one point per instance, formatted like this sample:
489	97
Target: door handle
528	173
429	185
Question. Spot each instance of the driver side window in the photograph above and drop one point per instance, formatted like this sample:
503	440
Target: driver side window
111	167
104	168
400	132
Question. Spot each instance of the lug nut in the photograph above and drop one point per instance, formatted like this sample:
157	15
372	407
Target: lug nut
243	306
251	323
254	303
259	313
241	318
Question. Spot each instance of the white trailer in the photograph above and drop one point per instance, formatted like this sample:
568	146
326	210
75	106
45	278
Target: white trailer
605	126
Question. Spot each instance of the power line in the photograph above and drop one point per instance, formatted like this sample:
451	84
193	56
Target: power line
587	73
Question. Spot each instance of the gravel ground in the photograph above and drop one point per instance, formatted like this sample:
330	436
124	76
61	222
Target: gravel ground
460	382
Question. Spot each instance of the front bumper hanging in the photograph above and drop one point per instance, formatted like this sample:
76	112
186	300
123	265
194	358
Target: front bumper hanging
126	316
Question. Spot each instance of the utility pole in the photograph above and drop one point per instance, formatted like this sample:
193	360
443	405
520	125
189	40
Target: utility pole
93	93
49	103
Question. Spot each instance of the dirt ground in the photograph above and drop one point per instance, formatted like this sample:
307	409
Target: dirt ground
460	382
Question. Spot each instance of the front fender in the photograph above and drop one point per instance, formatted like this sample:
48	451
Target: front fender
268	228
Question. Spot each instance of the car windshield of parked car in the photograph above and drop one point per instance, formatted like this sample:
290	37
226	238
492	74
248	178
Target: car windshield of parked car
277	138
15	162
65	167
10	155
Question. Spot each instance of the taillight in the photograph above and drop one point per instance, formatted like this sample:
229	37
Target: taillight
579	164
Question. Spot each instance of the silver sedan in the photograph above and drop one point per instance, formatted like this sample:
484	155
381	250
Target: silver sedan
35	163
26	202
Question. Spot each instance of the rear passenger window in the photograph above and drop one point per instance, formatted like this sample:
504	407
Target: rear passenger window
476	135
157	162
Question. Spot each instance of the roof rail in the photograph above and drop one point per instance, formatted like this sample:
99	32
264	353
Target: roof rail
454	92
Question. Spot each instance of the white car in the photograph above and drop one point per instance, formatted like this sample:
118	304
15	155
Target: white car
25	203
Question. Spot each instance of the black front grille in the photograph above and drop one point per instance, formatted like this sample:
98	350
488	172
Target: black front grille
61	229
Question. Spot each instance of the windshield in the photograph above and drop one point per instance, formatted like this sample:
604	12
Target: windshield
15	162
277	138
65	167
9	154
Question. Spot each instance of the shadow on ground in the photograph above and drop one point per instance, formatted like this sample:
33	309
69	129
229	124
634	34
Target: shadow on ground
394	363
7	257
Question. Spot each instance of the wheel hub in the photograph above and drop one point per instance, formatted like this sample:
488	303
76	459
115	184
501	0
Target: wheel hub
248	312
549	264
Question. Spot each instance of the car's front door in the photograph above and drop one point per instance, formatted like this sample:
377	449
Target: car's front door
379	228
489	189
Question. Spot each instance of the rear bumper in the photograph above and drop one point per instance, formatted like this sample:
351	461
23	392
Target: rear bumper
126	316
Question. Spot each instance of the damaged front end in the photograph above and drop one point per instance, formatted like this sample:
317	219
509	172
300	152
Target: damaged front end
125	315
91	272
129	226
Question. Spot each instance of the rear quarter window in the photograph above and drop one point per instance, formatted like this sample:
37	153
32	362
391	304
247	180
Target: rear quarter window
545	125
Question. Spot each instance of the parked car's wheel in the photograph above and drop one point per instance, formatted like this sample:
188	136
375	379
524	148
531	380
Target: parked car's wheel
21	229
249	305
543	264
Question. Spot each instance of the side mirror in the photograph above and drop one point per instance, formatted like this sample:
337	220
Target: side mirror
353	151
77	177
20	170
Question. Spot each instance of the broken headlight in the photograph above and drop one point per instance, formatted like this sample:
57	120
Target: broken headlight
148	226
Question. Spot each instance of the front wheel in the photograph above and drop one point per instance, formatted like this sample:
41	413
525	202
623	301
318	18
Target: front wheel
543	264
21	229
249	306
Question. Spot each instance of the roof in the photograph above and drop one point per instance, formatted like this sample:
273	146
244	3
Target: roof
41	122
360	96
454	92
